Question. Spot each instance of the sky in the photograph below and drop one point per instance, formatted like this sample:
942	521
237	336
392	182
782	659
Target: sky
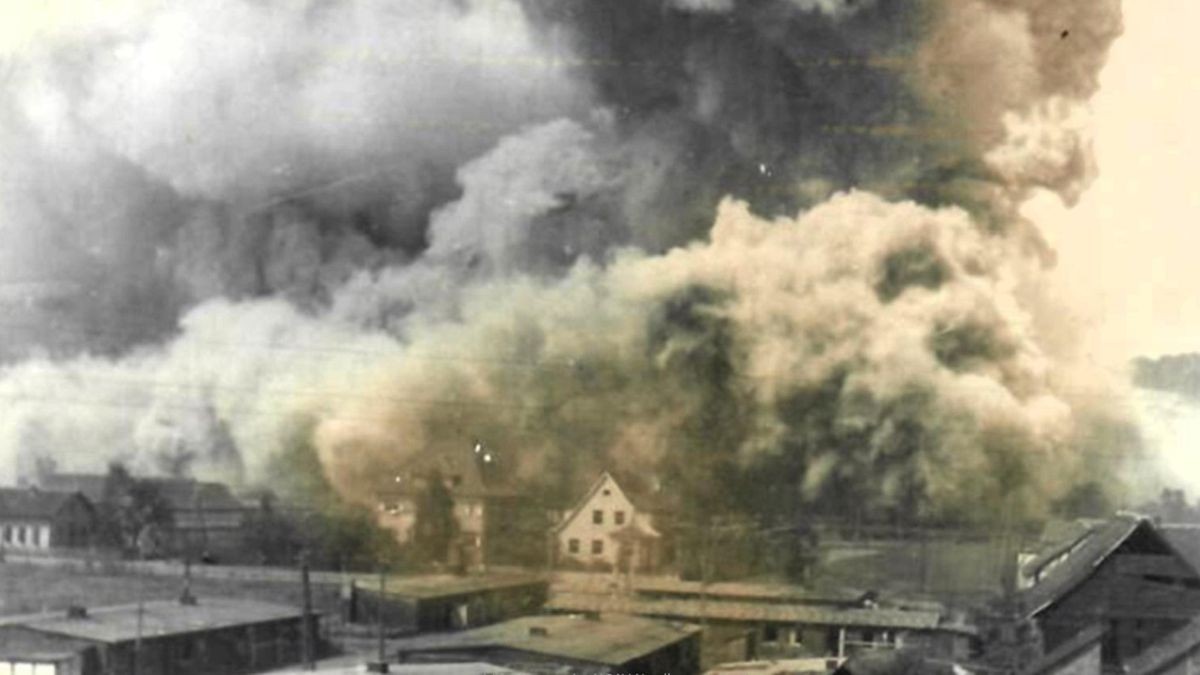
1126	267
1127	253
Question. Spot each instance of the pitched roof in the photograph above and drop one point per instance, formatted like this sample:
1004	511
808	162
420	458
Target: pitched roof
160	618
1059	538
1186	540
643	502
609	640
182	494
1100	543
747	611
32	502
90	485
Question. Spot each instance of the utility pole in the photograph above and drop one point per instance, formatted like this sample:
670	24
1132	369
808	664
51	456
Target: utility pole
307	627
141	604
380	665
379	617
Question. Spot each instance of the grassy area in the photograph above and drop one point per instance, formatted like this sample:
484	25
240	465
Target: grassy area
945	570
27	588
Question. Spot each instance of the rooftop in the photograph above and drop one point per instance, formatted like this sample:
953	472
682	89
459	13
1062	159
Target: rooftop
356	663
159	618
32	502
18	642
747	611
1087	556
1186	540
180	493
606	639
428	586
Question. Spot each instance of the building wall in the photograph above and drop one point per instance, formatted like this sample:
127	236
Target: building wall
249	648
593	540
26	535
74	525
399	514
1086	663
1136	611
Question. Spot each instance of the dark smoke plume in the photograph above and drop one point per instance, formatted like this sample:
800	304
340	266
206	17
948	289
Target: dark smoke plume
766	247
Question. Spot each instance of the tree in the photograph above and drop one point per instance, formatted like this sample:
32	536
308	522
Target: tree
133	513
270	537
435	528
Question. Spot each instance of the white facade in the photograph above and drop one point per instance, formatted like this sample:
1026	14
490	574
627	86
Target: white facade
22	535
586	535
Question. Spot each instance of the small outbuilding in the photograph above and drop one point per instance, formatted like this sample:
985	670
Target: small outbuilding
579	644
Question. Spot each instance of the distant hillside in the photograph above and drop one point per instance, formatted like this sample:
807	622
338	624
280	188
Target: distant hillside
1179	373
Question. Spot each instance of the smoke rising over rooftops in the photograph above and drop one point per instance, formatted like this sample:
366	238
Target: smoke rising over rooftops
762	238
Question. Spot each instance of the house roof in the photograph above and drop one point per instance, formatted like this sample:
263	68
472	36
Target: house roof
182	494
1100	543
747	611
1186	540
1057	538
20	643
1168	649
119	623
32	502
603	639
641	498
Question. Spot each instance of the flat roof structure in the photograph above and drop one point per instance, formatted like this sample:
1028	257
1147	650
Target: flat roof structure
748	611
603	639
119	623
432	586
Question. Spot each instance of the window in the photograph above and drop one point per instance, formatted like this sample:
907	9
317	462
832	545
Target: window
619	517
607	492
770	633
597	547
598	517
573	546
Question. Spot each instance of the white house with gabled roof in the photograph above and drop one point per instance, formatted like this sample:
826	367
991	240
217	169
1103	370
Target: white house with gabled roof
609	527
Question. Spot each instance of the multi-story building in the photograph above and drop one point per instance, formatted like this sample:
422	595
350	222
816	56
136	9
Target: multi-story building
609	527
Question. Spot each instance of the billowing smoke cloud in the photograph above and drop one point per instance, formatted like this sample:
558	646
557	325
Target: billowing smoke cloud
737	243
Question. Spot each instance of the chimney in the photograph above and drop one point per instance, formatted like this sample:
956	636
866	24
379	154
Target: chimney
77	612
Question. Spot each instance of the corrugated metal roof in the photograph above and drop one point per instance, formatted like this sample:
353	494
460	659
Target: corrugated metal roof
747	611
1080	564
607	639
159	618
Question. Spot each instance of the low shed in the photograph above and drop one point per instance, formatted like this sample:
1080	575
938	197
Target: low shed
581	645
